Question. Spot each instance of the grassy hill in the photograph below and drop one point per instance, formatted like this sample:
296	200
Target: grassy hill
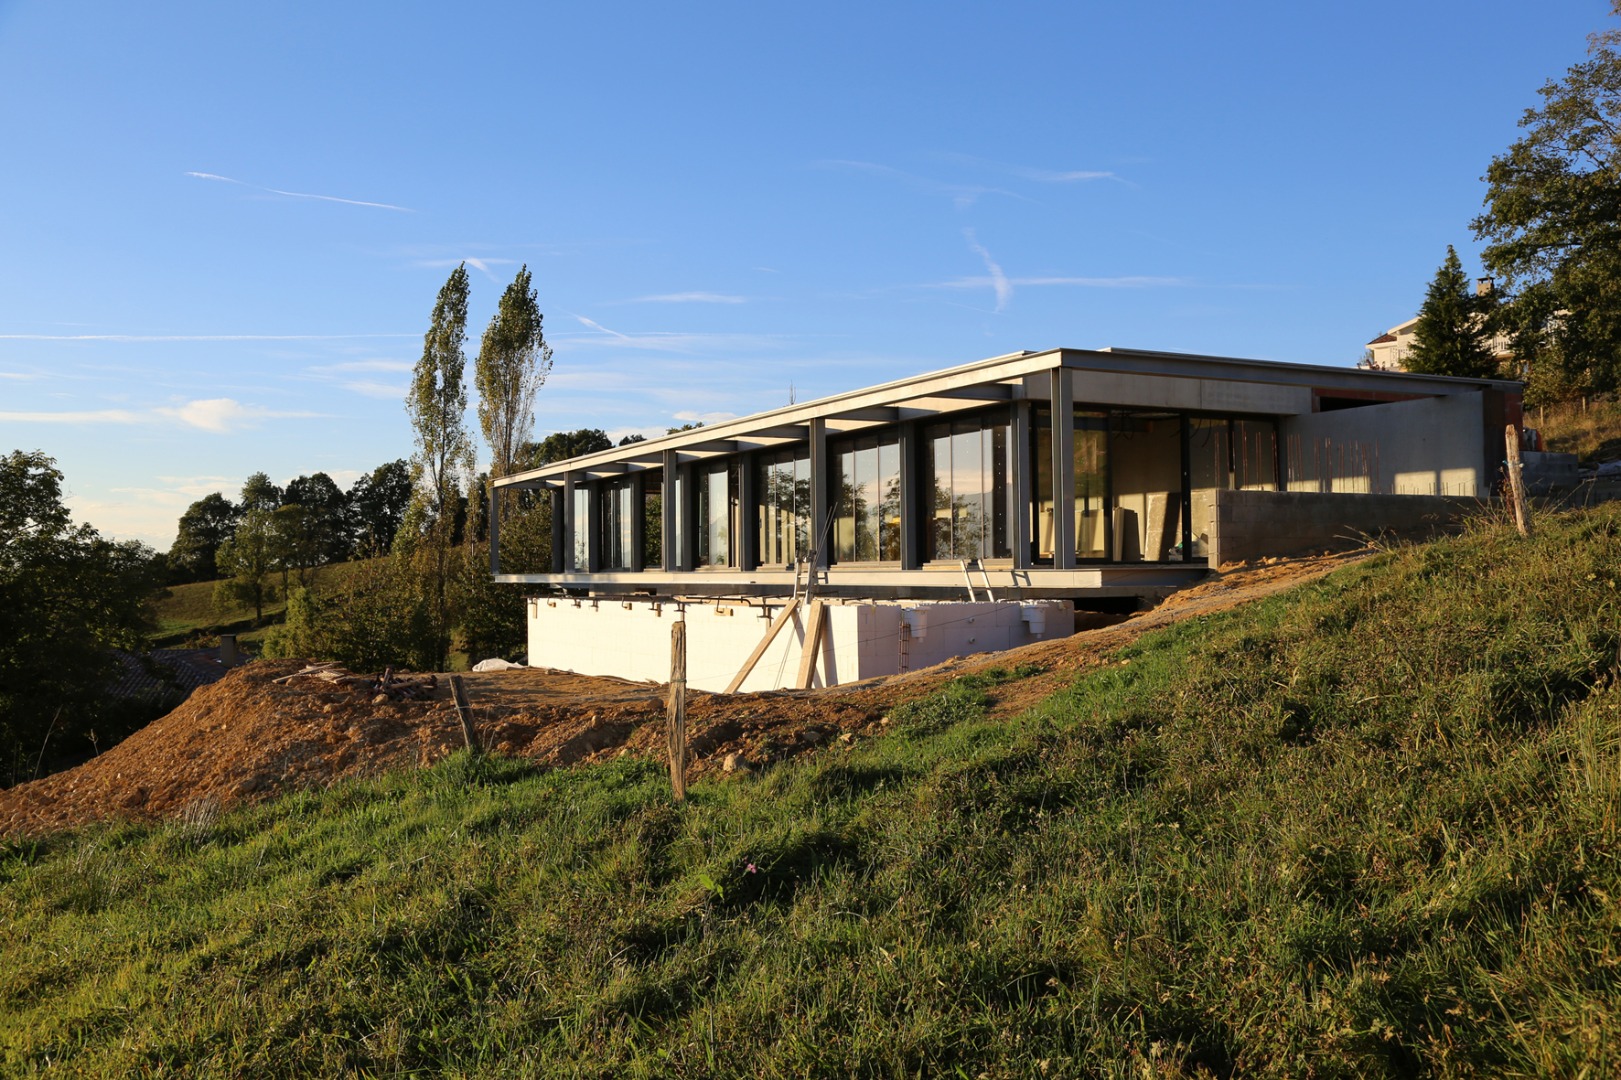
1368	827
186	613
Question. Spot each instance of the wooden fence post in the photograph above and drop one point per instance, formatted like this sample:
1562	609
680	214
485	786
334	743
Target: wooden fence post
1516	481
676	729
464	712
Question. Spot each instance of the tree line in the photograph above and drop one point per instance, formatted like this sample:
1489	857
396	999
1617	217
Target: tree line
420	591
1552	233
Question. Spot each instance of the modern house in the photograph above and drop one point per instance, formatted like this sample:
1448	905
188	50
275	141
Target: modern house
1089	476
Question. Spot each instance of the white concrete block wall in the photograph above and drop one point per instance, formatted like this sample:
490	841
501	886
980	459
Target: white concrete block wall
631	639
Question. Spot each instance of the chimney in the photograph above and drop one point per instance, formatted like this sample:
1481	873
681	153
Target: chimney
1483	286
228	653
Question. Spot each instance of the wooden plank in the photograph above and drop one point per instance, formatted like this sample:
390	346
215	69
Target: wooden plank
464	712
813	642
676	726
777	624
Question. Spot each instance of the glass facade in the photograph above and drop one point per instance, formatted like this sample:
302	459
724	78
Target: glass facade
782	490
867	515
970	462
1138	477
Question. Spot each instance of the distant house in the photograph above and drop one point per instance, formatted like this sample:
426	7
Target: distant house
1389	351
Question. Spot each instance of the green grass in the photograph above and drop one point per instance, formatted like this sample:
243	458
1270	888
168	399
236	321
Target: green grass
1365	828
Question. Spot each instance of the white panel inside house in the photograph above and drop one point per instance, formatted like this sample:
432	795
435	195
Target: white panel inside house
860	640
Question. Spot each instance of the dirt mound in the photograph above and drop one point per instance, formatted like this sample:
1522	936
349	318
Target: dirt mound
248	737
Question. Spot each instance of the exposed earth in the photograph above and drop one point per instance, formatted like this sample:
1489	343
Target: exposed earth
247	737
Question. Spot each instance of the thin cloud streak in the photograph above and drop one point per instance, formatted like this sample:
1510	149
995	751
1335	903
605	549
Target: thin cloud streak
661	341
482	265
300	194
1126	282
137	338
1039	175
689	298
364	365
998	280
218	415
962	195
90	416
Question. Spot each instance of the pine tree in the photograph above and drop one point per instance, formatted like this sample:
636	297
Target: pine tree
1451	337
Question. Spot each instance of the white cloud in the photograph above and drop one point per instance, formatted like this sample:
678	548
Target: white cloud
689	298
300	194
223	415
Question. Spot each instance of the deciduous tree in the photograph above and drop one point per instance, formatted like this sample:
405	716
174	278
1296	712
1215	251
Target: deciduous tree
437	405
67	596
513	362
1553	225
377	504
206	524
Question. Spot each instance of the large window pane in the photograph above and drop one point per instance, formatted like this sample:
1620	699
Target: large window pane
582	527
866	523
782	480
972	472
716	510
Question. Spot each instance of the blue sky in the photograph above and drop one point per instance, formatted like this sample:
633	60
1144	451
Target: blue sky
224	225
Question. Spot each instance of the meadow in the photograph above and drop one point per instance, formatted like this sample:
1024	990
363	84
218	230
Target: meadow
1364	828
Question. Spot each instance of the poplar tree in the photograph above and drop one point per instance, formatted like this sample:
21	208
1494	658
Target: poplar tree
1450	337
437	405
512	365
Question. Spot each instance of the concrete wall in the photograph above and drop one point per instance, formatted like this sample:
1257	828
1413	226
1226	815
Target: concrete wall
1247	525
631	638
1430	446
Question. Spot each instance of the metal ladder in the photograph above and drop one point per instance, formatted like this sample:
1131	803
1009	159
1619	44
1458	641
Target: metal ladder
985	577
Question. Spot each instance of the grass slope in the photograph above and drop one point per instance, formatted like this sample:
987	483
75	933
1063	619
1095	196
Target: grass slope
187	613
1365	828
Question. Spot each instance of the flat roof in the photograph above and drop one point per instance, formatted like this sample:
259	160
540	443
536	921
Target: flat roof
968	385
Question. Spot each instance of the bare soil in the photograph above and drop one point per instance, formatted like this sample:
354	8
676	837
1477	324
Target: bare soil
247	738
